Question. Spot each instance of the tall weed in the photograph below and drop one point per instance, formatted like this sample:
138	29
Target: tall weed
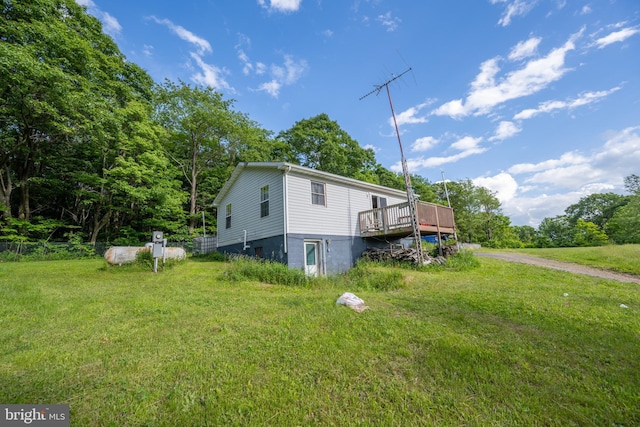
246	268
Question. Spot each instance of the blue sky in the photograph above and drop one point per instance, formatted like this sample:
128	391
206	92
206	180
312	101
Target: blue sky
537	100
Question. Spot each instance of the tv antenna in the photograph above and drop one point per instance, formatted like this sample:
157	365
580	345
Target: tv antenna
411	198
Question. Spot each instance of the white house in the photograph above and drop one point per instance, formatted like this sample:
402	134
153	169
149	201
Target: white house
305	218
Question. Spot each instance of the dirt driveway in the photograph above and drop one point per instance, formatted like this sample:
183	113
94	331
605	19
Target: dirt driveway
558	265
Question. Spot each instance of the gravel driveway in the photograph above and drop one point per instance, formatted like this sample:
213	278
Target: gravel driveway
558	265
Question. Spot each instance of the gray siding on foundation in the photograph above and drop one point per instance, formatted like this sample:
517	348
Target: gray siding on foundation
339	252
272	248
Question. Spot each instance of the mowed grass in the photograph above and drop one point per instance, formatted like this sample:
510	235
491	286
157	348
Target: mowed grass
497	345
622	258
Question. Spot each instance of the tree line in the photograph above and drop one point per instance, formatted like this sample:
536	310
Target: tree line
92	148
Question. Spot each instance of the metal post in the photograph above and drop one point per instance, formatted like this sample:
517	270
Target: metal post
413	209
455	233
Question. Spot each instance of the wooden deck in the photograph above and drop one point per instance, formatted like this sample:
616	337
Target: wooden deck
395	220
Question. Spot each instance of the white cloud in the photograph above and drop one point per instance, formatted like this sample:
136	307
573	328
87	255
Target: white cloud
284	75
410	116
468	146
272	88
621	153
110	25
567	177
549	106
372	148
281	5
424	143
201	44
454	109
523	210
503	185
616	36
327	33
291	71
570	158
389	21
147	50
548	187
525	49
261	68
488	92
514	8
586	9
247	67
209	75
505	130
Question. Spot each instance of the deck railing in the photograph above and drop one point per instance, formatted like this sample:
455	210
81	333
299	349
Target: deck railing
396	220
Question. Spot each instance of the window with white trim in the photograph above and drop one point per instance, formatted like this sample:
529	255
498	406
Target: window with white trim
264	201
228	216
318	192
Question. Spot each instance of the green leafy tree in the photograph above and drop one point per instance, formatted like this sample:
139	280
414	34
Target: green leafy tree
58	72
596	208
555	232
526	234
632	184
319	143
624	227
76	142
589	234
477	211
206	138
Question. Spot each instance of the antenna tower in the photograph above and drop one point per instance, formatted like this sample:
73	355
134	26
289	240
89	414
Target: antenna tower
413	207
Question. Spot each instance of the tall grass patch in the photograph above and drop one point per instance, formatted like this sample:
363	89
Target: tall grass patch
246	268
367	275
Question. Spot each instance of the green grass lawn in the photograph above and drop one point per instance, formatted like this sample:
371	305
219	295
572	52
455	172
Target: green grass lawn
497	345
622	258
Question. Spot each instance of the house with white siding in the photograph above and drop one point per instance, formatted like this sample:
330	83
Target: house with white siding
309	219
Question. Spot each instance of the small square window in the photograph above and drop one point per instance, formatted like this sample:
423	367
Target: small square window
318	194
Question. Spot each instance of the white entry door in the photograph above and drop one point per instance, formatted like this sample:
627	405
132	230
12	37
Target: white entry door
312	258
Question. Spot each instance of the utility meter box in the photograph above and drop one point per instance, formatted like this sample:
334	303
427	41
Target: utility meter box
158	244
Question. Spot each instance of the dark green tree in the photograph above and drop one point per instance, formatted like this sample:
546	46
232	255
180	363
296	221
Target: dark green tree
632	184
319	143
526	234
596	208
624	226
58	72
478	213
555	232
75	138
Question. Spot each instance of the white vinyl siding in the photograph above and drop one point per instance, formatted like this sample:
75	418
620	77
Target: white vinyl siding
245	197
340	214
318	193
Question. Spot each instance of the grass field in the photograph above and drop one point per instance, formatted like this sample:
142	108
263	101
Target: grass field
622	258
497	345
